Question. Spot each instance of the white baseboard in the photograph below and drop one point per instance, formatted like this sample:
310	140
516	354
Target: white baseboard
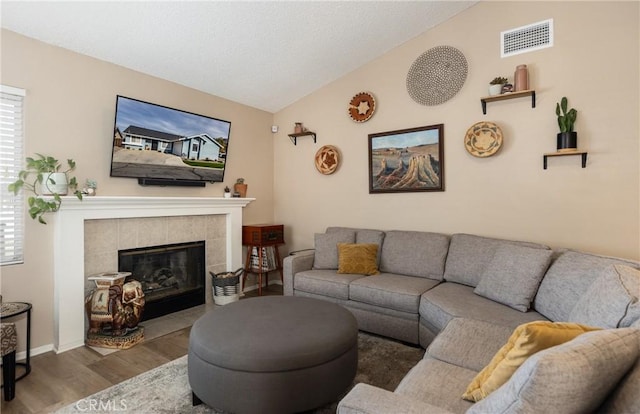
34	351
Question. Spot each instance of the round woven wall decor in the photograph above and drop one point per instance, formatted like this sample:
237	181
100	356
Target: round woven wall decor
362	106
327	159
437	75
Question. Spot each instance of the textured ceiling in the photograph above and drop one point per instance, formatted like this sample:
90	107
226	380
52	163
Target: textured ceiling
263	54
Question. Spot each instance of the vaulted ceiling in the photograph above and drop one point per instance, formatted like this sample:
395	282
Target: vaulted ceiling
265	54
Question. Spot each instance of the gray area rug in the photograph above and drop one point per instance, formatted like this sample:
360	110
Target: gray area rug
381	362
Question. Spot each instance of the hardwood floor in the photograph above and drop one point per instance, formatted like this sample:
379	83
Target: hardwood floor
57	380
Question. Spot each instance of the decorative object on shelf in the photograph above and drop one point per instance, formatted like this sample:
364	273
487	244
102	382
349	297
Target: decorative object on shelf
240	187
521	78
504	96
227	192
42	176
437	75
298	128
407	160
90	187
507	88
496	86
567	137
483	139
327	159
114	309
362	106
226	286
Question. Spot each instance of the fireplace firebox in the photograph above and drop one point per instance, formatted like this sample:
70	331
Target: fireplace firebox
172	276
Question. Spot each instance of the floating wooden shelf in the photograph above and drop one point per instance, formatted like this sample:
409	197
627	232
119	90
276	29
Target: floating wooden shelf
294	137
508	95
562	154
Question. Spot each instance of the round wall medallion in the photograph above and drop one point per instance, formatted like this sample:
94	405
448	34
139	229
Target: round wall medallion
327	159
437	75
362	106
483	139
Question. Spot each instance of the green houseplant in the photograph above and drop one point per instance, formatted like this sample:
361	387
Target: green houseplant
43	175
567	139
495	86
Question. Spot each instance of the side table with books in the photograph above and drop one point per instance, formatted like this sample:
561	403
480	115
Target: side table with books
262	241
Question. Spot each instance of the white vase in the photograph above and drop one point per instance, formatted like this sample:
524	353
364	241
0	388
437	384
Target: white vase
54	183
495	90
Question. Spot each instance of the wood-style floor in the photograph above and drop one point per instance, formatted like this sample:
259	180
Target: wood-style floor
57	380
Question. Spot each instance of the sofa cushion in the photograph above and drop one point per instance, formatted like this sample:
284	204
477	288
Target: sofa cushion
576	375
470	255
513	275
452	300
526	340
391	291
437	383
326	245
363	236
624	398
358	258
612	300
568	278
325	283
414	253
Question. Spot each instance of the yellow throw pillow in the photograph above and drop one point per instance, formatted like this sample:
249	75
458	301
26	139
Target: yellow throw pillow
526	340
358	258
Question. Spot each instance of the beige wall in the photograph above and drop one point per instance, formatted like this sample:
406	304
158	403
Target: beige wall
594	63
70	108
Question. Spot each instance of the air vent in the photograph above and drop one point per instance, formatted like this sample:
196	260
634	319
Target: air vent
527	38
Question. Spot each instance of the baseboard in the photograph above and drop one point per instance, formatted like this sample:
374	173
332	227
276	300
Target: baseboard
34	351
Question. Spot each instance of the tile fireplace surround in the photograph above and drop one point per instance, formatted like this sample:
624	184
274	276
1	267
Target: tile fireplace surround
69	246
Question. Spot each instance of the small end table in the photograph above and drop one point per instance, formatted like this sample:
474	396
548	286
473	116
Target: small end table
262	236
10	310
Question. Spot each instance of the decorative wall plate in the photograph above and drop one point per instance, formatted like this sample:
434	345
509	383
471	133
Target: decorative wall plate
437	75
327	159
483	139
362	106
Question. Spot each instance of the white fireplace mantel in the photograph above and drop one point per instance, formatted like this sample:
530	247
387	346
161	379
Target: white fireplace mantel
68	259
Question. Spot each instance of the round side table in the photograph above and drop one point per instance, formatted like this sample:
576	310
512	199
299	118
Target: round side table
10	310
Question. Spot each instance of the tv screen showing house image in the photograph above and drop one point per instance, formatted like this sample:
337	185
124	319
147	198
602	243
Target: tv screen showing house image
157	142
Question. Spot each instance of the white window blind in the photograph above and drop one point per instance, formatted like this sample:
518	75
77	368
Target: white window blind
12	210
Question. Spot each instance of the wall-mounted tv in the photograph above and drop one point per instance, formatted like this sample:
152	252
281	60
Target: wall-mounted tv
166	146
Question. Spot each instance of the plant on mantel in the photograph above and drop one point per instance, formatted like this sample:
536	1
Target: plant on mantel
43	176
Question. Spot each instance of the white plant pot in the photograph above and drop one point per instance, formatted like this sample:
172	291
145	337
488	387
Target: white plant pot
54	183
495	90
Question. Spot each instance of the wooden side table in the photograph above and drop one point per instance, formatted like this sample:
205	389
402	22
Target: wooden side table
262	237
11	309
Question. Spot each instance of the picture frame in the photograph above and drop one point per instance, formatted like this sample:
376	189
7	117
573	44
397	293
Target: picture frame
407	160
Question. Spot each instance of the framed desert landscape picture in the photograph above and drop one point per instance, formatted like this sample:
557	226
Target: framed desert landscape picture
407	160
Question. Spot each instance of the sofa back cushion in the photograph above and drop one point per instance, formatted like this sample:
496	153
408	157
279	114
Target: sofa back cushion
414	253
469	256
568	279
326	246
576	376
366	236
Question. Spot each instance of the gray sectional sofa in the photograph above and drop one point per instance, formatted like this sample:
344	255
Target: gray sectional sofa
461	296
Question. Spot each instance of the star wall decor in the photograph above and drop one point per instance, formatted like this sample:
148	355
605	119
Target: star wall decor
362	107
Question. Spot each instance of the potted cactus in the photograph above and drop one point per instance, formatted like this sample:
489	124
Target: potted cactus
43	176
567	139
495	86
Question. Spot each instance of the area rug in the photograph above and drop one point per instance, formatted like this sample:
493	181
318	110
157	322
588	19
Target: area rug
381	362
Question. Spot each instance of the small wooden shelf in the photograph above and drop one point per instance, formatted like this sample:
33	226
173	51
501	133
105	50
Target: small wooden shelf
294	137
583	154
508	95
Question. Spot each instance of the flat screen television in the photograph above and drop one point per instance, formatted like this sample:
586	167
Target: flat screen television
165	146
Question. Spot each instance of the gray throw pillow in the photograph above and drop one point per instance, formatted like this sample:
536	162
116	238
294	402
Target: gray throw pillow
326	245
611	301
575	376
513	275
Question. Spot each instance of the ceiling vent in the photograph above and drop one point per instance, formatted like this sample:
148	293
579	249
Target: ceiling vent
527	38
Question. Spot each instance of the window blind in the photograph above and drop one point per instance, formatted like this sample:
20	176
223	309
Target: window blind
12	209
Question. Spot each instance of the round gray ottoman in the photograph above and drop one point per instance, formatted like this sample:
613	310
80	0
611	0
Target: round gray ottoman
273	354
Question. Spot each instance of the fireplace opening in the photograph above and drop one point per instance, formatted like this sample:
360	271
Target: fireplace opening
172	276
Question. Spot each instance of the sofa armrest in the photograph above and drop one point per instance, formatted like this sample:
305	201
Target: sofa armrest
293	264
367	399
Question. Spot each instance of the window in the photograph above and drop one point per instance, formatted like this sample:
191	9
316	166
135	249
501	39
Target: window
11	156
